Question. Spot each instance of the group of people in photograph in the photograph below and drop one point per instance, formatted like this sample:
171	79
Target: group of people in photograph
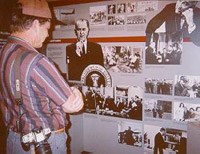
167	141
183	113
95	102
186	87
155	86
170	54
123	59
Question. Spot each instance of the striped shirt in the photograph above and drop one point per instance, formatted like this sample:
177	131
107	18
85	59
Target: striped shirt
43	89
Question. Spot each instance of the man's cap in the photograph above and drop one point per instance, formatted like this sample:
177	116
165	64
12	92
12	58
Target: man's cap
38	8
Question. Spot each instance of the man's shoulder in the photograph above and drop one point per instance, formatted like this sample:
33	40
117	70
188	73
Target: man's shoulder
171	5
93	43
71	45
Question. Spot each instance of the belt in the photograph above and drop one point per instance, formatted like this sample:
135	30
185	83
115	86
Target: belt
62	130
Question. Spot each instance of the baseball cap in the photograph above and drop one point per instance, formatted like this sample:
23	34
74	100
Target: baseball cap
38	8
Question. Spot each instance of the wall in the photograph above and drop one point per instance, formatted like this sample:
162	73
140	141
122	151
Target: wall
99	133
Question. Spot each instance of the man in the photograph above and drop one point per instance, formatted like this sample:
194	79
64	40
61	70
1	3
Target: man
129	136
182	146
82	53
159	143
181	87
45	95
181	17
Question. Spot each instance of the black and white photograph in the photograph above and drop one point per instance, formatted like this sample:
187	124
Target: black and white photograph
146	6
136	19
126	103
158	86
121	8
112	9
131	7
98	15
187	86
178	23
164	49
67	16
116	20
93	99
157	109
130	134
159	139
123	59
83	52
129	105
186	112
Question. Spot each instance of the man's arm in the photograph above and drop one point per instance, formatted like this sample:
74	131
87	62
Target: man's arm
74	102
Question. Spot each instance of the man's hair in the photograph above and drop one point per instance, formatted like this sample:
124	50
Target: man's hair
20	22
162	129
82	20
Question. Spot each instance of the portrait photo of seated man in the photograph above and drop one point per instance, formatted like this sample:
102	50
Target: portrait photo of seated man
82	53
165	32
181	17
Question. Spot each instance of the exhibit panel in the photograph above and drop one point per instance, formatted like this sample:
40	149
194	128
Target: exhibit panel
141	74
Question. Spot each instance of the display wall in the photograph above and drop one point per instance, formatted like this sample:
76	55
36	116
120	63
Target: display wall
151	75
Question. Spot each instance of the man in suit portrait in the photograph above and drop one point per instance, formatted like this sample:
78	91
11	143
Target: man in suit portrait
181	87
182	17
82	53
159	142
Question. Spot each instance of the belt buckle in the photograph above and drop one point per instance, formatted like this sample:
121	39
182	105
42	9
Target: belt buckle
59	131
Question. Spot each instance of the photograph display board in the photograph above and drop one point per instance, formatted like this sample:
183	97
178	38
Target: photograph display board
153	83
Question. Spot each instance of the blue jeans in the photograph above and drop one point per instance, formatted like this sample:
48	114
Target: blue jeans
56	141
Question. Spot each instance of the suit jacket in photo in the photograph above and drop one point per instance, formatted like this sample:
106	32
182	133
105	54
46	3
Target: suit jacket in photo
76	63
159	143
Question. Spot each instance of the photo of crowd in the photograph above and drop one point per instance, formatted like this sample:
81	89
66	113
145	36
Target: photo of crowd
158	86
119	101
130	134
98	15
123	59
116	20
136	19
157	109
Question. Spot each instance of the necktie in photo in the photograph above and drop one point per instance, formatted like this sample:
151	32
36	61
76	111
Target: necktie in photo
83	50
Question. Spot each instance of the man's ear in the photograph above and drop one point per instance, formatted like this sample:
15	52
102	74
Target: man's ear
75	31
35	23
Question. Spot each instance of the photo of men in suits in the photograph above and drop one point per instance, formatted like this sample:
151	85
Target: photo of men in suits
82	53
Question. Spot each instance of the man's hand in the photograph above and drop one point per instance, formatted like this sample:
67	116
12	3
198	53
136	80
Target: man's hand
79	47
189	16
74	102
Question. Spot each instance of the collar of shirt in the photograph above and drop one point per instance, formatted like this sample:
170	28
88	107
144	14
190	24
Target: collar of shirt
22	42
